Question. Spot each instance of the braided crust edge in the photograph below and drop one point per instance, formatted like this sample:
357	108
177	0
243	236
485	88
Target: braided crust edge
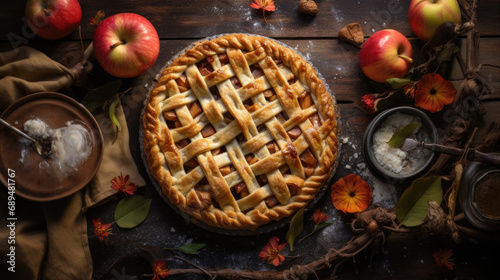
254	218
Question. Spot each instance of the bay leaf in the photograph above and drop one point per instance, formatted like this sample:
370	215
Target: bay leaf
399	136
412	207
131	211
192	248
399	82
296	227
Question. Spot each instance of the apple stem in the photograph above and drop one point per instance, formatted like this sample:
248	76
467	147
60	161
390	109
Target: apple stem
47	12
407	58
115	45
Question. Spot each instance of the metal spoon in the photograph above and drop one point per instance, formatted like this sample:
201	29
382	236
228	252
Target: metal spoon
42	147
473	155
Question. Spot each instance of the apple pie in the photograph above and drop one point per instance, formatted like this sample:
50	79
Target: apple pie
239	131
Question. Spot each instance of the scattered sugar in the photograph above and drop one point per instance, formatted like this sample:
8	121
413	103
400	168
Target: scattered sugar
337	15
383	194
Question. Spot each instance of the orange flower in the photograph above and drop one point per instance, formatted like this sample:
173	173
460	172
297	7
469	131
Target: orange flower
433	92
123	185
351	194
271	252
443	259
265	5
319	217
101	230
160	270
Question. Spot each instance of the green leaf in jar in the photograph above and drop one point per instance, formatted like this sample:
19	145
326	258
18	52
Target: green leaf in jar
412	207
399	136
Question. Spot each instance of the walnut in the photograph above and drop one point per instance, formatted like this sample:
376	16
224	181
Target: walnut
352	33
308	7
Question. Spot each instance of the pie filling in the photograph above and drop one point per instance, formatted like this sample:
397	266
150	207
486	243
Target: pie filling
235	138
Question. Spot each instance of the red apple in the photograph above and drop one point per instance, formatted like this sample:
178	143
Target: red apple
426	16
126	45
386	54
53	19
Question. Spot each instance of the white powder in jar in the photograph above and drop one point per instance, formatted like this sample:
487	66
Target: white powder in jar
391	158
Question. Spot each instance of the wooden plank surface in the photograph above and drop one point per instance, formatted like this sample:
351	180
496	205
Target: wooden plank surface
175	19
180	23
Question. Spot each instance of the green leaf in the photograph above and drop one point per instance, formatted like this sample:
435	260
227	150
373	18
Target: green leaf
112	114
320	227
399	136
315	229
396	97
399	82
192	248
296	227
412	207
98	96
131	211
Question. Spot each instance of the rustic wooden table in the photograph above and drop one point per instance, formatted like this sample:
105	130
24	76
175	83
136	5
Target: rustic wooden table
179	23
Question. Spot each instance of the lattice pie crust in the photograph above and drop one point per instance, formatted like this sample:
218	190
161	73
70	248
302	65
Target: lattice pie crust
239	131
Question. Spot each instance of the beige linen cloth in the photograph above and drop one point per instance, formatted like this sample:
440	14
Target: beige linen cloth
51	239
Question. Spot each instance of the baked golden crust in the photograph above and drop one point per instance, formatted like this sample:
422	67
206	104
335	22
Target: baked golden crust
256	126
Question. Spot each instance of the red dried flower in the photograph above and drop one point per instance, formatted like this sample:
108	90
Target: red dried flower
410	89
351	194
101	230
433	92
160	270
122	184
443	259
319	217
368	101
271	252
99	16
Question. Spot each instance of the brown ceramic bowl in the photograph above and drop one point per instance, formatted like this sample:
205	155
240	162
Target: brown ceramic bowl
29	173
